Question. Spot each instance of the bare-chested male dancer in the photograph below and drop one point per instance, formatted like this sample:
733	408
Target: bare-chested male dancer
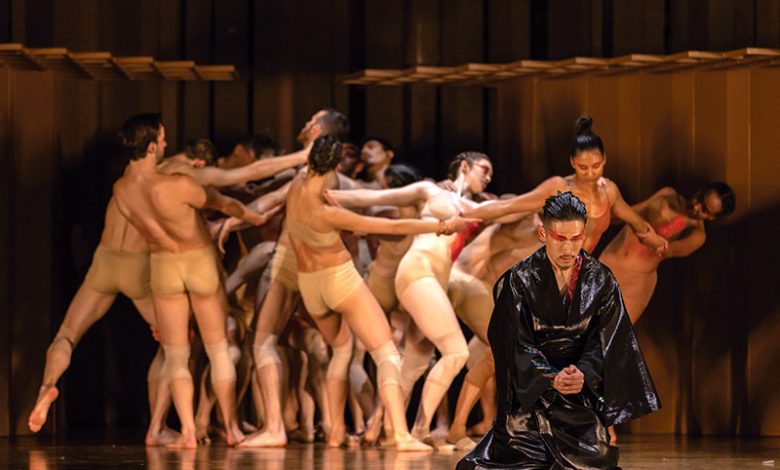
121	265
183	267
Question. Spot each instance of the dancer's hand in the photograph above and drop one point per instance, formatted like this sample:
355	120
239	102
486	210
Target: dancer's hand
653	241
454	224
569	381
257	219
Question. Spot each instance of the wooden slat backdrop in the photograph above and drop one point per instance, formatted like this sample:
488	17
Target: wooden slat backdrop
711	346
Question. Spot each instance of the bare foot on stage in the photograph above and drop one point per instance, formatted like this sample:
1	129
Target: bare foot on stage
163	438
186	440
46	395
404	442
480	429
302	435
264	439
234	436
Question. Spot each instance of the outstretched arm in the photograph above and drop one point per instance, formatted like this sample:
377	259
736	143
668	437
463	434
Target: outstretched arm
531	201
405	196
343	219
234	208
211	176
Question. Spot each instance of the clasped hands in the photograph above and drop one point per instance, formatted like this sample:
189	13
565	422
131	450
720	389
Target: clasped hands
569	381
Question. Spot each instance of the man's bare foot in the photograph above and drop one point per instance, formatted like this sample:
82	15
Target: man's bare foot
612	435
456	434
302	435
440	432
162	438
480	429
46	396
248	427
186	440
404	442
233	434
264	439
373	430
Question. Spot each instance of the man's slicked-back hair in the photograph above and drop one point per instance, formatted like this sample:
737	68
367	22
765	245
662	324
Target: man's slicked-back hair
325	154
201	149
386	145
334	123
138	132
260	142
564	207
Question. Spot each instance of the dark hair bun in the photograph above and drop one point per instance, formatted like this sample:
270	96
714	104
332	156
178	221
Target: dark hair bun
584	125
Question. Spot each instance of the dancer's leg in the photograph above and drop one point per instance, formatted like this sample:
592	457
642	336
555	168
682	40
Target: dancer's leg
87	307
369	324
432	312
173	313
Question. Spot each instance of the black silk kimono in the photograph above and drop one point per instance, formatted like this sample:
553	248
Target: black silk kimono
534	333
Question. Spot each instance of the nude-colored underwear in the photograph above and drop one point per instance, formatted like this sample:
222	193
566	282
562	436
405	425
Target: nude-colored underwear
194	271
284	267
472	300
417	264
383	289
326	289
114	271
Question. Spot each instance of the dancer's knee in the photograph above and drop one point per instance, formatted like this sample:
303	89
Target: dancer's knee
388	364
222	367
338	368
176	365
264	349
454	355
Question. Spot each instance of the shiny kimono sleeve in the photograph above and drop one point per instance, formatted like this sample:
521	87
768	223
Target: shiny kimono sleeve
627	389
523	374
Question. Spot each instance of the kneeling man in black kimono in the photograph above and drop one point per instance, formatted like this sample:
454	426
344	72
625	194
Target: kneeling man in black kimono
567	362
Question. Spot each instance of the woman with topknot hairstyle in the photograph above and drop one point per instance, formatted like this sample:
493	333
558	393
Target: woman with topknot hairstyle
332	289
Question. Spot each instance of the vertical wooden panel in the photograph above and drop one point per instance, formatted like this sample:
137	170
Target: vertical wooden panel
604	108
767	14
561	102
75	25
629	142
196	113
31	258
760	231
569	29
638	27
230	106
509	30
6	240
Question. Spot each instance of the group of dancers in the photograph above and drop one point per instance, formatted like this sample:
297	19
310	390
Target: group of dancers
343	253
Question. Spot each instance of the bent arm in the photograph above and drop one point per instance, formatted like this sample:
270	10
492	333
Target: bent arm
406	196
229	206
531	201
686	245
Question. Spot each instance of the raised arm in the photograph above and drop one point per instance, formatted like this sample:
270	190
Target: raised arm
688	244
531	201
405	196
211	176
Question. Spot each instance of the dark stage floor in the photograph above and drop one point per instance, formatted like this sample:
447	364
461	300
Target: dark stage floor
638	452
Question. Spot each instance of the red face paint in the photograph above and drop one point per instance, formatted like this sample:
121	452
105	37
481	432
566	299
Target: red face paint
557	236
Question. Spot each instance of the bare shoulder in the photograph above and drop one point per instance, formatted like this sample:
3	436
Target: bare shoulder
172	167
555	182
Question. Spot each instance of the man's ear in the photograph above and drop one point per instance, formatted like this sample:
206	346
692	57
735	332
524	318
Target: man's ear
541	233
391	153
151	148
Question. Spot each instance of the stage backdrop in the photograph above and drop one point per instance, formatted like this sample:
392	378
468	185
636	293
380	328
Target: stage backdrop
709	331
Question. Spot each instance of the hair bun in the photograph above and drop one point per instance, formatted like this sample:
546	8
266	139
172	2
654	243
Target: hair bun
584	125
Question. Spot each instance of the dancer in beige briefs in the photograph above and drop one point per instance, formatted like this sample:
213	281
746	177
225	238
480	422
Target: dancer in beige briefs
331	287
279	304
678	220
183	267
121	265
422	277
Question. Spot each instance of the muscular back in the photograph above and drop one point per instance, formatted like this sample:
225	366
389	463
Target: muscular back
119	234
163	209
